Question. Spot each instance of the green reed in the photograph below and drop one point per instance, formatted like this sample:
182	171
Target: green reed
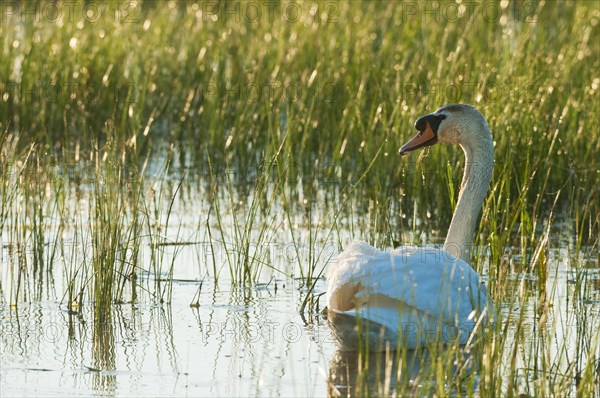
345	87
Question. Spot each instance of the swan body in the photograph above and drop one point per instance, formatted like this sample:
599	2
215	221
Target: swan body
417	295
411	297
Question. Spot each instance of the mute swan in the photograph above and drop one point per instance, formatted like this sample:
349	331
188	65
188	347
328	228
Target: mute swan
411	297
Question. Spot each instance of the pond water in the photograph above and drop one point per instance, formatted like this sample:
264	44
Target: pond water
242	341
237	343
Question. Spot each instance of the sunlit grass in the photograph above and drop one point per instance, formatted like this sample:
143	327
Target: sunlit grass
292	129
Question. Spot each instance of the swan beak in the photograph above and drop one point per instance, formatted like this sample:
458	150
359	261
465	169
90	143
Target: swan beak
425	138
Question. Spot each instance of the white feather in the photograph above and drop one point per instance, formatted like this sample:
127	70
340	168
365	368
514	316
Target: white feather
417	295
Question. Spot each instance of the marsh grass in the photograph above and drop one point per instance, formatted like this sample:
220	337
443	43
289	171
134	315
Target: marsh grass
352	90
111	241
306	118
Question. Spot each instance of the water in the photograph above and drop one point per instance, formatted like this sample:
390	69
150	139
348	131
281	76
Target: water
238	342
245	341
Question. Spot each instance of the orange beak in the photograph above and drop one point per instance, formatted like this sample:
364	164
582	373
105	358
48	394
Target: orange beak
425	138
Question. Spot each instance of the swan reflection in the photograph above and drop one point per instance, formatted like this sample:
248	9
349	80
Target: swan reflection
393	373
373	368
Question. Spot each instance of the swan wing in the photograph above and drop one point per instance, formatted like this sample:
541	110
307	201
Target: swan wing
387	287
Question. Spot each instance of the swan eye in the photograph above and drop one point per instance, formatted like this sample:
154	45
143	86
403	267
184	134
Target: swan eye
435	122
439	119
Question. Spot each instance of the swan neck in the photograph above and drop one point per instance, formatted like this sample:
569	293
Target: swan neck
479	164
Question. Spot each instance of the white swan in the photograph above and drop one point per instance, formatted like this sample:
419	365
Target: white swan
412	297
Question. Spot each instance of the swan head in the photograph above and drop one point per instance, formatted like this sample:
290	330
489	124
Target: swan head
457	123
